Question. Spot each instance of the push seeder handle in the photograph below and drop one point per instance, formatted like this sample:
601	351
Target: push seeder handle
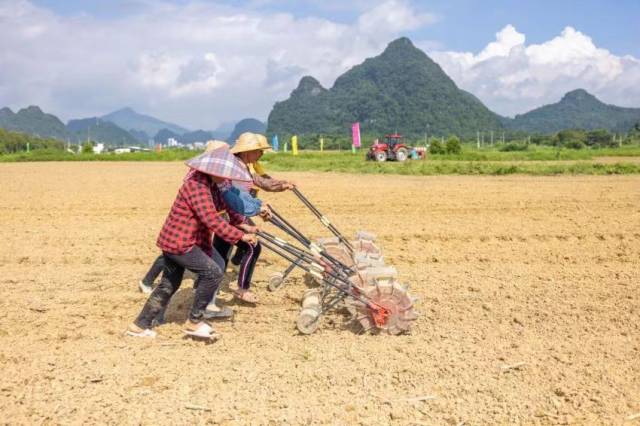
325	221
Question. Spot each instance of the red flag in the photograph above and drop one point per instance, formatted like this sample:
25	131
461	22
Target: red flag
355	134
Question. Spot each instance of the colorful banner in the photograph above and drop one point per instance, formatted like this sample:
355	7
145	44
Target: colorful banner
294	145
355	134
274	143
286	147
321	144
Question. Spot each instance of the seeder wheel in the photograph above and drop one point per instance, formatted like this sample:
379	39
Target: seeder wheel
339	252
398	308
276	281
308	321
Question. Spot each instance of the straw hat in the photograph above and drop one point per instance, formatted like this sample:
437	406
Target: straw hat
250	142
221	163
214	144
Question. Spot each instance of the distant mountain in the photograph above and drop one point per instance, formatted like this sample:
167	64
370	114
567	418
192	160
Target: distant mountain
33	121
577	109
140	136
223	131
127	118
401	89
246	125
99	130
195	136
164	134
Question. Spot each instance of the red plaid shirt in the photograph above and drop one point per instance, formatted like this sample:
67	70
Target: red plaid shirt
194	218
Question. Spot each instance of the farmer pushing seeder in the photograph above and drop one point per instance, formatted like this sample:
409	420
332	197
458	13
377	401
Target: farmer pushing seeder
211	214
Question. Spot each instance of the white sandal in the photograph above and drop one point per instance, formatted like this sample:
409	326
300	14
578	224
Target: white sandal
147	332
145	288
204	331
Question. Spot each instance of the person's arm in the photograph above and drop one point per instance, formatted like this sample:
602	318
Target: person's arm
198	195
270	184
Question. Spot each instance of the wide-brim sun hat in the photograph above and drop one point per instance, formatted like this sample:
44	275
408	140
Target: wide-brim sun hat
215	144
250	142
220	163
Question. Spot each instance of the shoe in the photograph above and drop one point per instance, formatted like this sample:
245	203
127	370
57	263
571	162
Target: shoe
145	288
202	331
219	313
246	296
140	332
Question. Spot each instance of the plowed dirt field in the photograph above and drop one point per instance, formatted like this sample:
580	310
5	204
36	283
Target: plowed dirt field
529	293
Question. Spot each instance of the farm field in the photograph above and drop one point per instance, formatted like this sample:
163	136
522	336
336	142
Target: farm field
529	291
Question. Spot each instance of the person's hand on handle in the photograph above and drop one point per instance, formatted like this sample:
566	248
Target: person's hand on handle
250	229
289	185
265	213
250	239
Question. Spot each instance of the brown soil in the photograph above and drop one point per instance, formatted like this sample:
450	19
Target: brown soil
541	274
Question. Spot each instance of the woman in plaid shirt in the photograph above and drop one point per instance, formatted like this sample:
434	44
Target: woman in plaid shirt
185	241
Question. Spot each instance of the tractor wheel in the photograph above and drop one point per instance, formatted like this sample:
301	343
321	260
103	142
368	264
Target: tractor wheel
276	281
393	297
402	154
381	156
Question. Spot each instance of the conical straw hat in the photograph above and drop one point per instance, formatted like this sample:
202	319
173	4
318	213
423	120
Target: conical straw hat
215	144
220	163
250	142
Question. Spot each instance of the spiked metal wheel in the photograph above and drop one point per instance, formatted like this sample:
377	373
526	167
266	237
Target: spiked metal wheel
391	308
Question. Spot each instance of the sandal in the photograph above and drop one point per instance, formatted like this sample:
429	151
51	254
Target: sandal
245	296
215	312
146	332
145	288
202	331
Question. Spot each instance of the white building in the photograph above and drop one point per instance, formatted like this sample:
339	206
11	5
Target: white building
172	142
98	148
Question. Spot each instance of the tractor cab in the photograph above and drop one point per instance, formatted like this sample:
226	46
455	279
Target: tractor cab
393	148
392	140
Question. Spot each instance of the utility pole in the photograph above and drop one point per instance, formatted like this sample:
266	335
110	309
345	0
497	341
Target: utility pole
478	138
492	138
426	136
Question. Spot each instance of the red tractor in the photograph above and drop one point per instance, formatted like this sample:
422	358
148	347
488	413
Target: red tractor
393	149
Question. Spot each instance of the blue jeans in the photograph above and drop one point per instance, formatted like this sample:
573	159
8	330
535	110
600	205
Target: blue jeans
210	271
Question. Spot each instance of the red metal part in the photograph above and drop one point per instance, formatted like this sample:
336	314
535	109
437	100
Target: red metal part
380	315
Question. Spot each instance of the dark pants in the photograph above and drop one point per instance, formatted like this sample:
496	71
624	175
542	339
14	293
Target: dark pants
248	259
210	271
154	271
241	250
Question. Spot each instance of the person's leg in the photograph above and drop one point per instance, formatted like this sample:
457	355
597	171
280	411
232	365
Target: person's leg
223	248
240	249
210	274
146	285
238	255
214	311
248	264
159	298
245	273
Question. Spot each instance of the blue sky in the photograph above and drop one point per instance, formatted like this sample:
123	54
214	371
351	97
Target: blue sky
202	63
463	25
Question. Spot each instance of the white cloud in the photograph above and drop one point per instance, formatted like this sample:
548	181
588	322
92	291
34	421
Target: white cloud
202	63
387	17
195	63
511	77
